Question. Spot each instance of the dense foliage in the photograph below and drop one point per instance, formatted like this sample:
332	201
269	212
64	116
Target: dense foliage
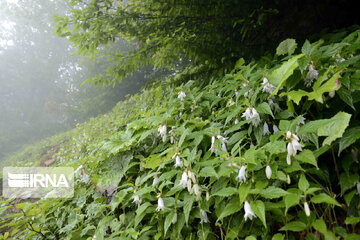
210	34
268	151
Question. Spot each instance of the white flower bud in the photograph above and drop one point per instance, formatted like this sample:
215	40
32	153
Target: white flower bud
307	209
155	181
204	217
268	171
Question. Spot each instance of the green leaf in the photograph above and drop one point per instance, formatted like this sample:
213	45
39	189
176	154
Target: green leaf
264	108
278	236
183	136
313	126
295	226
287	46
232	207
306	48
306	156
347	181
303	183
335	128
188	203
225	192
290	200
273	192
350	136
345	95
320	226
279	76
352	220
244	190
208	172
250	238
258	208
295	96
329	86
324	198
140	212
168	220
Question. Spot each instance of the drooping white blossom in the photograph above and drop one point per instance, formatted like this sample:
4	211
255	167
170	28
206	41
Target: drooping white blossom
197	191
184	179
275	129
266	129
311	76
204	217
307	209
249	214
274	106
268	87
236	121
162	131
177	161
155	181
223	142
251	114
268	172
293	146
172	134
241	176
181	95
136	199
332	94
161	205
192	176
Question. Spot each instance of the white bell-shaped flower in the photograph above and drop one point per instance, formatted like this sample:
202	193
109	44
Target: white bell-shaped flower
268	87
204	217
181	95
266	129
155	181
178	162
161	205
136	199
275	129
241	176
162	131
236	121
249	214
184	179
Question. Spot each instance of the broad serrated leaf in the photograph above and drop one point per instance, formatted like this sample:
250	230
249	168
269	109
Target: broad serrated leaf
334	128
264	108
295	226
232	207
320	226
188	203
324	198
287	46
278	236
225	192
290	200
279	76
350	136
273	192
208	172
306	156
168	220
258	208
303	183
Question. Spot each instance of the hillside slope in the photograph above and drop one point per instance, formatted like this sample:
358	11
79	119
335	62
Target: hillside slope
268	151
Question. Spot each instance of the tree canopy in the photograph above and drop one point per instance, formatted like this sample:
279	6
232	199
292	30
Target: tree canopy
209	33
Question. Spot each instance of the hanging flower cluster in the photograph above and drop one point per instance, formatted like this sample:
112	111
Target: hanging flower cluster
252	114
293	146
268	87
162	131
181	96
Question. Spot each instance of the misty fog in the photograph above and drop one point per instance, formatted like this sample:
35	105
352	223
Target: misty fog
41	91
